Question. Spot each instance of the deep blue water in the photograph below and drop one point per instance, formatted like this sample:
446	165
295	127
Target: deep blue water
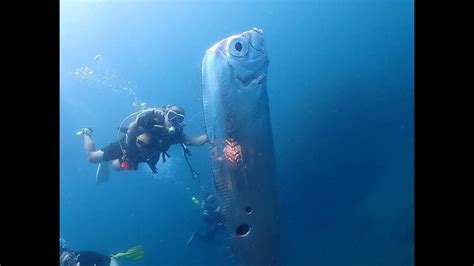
341	92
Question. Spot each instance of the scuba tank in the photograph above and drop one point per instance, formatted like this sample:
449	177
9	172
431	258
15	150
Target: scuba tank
146	119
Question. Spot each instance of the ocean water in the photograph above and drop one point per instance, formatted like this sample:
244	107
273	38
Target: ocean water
341	93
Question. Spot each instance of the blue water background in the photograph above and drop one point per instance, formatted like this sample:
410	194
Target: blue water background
341	92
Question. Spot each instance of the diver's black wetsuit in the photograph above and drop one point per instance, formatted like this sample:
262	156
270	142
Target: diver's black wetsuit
214	220
162	139
161	142
90	258
113	150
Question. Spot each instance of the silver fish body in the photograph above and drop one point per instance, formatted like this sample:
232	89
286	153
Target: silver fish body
237	118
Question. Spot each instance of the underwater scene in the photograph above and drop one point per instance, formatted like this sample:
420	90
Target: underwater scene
236	132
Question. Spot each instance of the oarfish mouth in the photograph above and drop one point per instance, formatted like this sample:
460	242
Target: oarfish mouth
250	81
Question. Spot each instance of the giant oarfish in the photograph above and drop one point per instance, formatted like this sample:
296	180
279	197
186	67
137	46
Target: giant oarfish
237	118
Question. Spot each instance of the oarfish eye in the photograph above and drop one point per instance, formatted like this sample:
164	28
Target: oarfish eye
238	47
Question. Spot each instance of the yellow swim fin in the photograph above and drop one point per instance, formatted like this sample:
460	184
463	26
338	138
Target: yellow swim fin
134	253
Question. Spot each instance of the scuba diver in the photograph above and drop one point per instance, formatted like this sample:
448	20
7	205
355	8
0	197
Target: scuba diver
212	217
146	140
68	257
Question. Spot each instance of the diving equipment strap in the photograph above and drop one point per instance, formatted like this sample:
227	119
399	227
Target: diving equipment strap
186	151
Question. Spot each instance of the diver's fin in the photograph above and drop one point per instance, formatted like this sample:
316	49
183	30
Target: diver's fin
134	253
85	131
102	173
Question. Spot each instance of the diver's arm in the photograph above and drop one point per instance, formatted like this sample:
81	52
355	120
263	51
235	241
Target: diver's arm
195	141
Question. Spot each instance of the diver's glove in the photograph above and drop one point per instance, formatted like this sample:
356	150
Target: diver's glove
85	131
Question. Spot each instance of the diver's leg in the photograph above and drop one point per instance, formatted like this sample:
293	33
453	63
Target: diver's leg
191	238
210	234
113	262
207	238
93	155
199	235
